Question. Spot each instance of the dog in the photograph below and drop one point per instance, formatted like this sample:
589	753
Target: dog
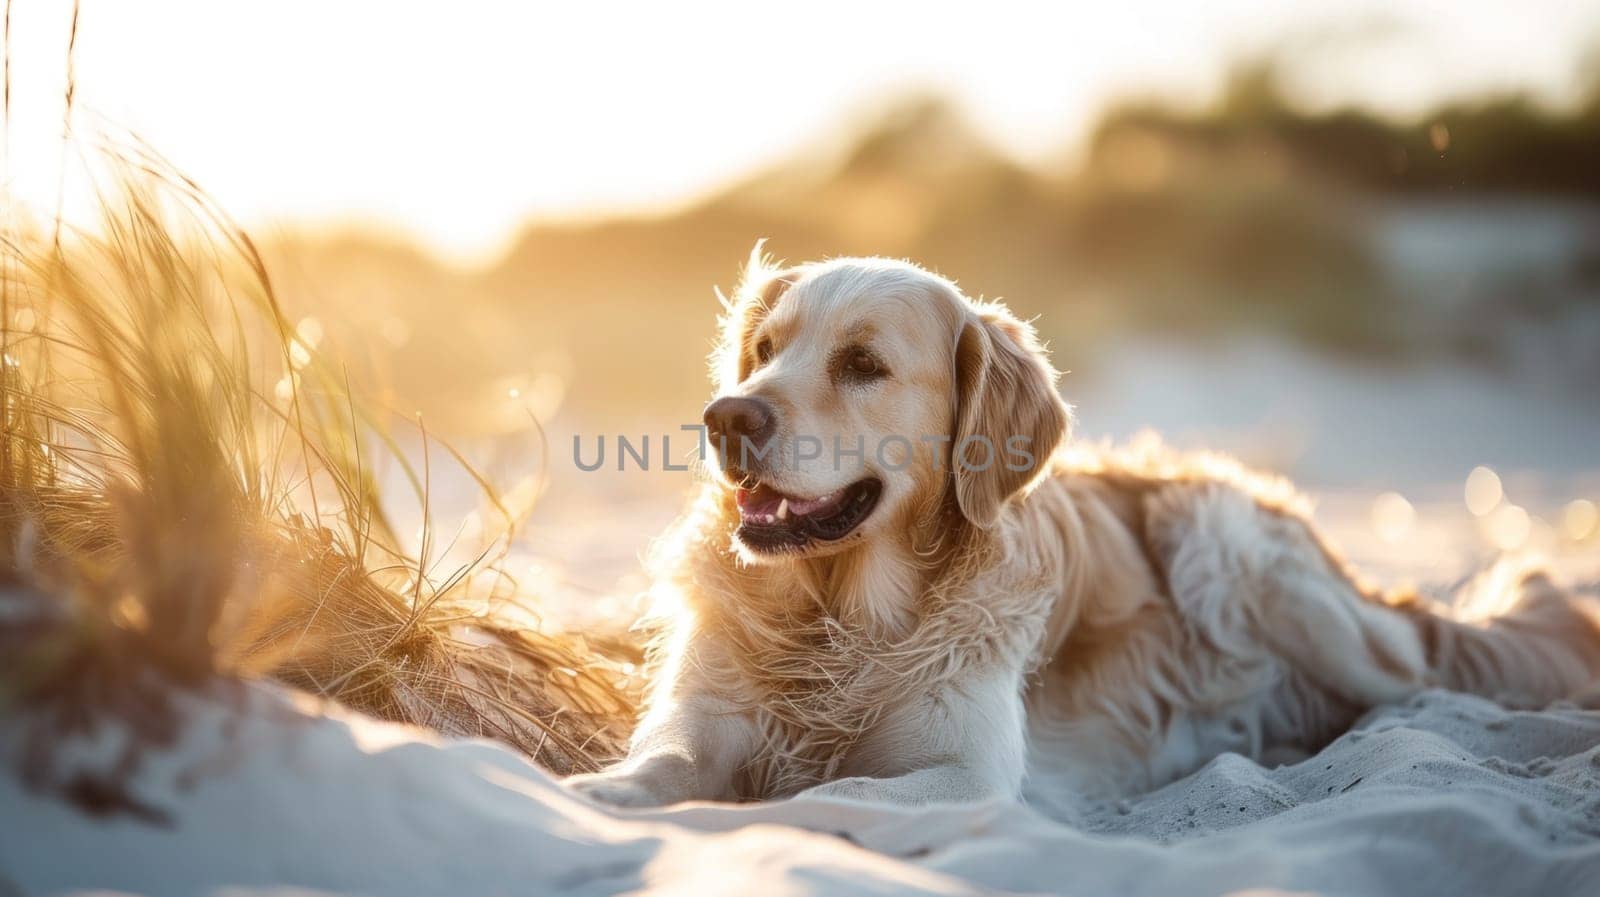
915	625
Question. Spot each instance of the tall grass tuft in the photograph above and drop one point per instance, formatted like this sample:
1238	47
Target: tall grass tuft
187	494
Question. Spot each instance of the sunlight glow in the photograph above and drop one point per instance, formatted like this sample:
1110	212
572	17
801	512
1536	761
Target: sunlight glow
1508	527
1483	492
1393	517
1580	520
453	125
285	388
309	331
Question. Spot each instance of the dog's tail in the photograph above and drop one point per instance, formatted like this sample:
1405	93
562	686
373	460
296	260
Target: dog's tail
1513	635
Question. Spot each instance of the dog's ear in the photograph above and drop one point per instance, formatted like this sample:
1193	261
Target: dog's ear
760	287
1009	419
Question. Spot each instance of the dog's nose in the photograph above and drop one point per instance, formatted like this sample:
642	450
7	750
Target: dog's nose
733	417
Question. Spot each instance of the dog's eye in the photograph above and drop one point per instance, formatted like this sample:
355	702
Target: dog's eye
764	351
863	365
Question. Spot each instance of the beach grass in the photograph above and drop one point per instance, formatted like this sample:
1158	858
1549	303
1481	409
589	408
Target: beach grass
188	496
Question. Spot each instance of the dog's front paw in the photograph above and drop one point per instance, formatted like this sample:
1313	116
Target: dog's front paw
616	789
852	788
650	781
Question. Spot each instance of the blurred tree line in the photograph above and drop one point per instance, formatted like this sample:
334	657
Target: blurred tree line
1508	143
1249	216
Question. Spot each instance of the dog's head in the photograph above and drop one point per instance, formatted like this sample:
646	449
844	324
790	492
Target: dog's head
858	397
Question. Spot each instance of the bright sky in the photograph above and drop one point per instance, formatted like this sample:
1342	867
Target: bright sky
454	122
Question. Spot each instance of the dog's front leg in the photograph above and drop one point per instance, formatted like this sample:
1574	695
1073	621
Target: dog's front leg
688	747
964	741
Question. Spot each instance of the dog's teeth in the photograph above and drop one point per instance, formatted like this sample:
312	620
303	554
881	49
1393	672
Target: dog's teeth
783	509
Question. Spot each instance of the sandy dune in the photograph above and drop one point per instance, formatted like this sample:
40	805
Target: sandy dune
1446	795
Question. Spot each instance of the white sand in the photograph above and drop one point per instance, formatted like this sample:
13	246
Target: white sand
1447	795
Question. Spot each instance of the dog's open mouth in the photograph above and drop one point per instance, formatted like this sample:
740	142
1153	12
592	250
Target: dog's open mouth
770	520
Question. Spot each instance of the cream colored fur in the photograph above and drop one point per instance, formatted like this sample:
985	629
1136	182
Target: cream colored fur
1104	622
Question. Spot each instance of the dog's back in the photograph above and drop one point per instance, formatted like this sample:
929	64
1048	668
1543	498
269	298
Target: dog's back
1204	614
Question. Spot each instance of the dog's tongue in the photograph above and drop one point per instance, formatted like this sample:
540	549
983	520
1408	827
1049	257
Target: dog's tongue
765	501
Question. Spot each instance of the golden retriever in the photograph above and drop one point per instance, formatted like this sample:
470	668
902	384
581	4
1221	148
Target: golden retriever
906	585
